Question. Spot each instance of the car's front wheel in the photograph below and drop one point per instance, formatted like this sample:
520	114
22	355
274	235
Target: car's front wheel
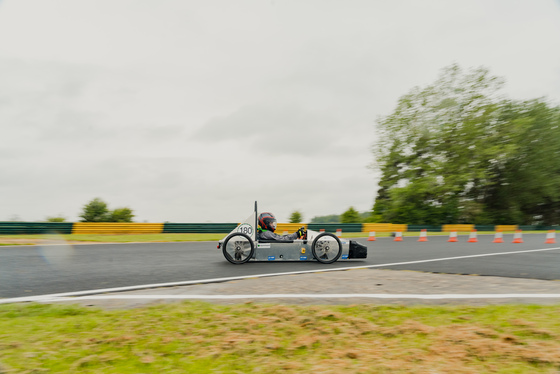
326	248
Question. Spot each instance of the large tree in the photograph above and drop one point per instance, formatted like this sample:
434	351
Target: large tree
457	152
527	189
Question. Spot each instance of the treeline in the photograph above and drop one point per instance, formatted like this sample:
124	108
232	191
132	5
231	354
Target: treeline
458	152
351	215
97	211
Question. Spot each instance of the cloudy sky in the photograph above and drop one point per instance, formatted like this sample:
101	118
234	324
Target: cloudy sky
189	111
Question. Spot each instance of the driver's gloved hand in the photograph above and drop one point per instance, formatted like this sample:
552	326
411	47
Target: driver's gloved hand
301	232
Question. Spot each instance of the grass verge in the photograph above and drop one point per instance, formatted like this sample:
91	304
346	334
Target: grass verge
206	338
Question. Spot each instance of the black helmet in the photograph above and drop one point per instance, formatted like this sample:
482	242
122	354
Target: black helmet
267	221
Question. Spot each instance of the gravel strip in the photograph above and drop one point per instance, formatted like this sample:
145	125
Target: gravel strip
359	281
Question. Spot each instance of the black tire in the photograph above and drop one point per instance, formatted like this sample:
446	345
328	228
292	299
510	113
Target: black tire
238	248
323	250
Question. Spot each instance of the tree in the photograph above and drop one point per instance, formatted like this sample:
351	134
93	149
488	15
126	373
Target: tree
527	189
333	218
350	216
59	218
121	215
456	152
95	211
296	217
437	149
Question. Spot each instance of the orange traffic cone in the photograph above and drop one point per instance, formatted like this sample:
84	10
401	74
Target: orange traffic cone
339	232
550	237
423	236
472	237
453	237
498	237
322	230
398	236
371	236
517	237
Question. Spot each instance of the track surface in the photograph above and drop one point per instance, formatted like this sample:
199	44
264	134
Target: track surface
39	270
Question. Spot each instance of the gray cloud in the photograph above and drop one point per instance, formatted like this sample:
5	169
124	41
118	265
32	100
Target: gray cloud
190	111
275	130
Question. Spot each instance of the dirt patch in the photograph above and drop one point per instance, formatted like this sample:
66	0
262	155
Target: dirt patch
16	241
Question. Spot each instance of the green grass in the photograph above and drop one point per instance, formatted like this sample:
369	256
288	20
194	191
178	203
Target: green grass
196	337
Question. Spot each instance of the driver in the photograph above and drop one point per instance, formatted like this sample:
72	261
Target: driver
267	226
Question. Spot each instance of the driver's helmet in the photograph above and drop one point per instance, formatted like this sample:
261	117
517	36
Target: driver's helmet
267	221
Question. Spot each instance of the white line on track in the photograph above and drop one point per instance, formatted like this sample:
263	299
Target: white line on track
227	279
306	296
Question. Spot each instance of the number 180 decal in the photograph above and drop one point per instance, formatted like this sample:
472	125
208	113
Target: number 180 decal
245	228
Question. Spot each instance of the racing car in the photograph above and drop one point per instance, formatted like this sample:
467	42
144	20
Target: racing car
241	245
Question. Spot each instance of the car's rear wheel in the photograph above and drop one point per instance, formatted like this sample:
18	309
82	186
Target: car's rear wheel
326	248
238	248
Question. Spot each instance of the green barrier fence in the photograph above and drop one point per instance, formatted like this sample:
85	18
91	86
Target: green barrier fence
206	228
484	227
332	227
12	228
429	228
537	227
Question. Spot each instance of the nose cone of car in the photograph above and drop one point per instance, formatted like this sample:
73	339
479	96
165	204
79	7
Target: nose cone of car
357	250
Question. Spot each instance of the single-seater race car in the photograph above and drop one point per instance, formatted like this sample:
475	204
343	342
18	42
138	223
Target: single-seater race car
241	245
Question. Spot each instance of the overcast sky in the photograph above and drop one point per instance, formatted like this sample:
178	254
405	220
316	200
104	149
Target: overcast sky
189	111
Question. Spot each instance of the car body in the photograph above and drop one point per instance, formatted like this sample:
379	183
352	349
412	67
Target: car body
241	245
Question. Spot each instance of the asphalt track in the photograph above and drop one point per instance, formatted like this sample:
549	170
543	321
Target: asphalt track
40	270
